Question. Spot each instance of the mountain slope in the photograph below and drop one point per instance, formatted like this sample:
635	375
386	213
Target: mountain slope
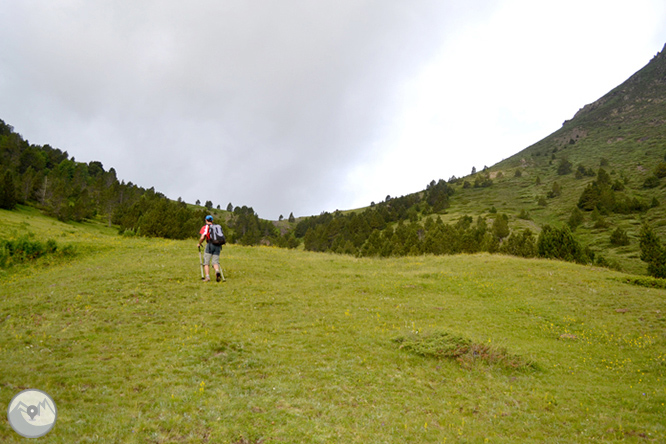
623	132
630	116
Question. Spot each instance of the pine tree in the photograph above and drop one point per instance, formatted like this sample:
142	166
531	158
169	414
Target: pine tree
554	243
501	226
619	237
576	218
564	167
8	192
652	252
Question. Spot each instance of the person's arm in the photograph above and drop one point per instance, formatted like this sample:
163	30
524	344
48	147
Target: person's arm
204	232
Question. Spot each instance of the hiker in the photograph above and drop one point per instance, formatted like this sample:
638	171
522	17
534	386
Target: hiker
212	251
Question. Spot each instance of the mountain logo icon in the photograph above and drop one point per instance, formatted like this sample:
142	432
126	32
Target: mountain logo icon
32	413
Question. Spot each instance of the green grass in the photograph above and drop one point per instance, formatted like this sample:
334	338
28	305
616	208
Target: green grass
510	194
308	348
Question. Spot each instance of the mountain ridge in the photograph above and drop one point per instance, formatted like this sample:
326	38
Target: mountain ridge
621	91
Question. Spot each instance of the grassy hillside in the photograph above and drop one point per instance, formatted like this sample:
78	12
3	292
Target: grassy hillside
623	133
305	347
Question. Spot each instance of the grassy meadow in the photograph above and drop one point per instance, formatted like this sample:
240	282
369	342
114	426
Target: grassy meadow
301	347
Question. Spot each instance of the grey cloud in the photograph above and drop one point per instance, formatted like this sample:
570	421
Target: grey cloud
265	104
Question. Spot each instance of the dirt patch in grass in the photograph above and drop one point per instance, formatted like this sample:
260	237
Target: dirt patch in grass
444	345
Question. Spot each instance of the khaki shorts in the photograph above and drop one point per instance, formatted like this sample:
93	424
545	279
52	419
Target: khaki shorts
212	254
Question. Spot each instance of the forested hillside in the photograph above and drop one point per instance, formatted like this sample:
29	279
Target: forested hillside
51	180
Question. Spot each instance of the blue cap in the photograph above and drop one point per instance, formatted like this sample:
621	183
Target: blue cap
209	218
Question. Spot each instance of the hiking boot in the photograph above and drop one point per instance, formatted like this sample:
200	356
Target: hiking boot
218	276
207	279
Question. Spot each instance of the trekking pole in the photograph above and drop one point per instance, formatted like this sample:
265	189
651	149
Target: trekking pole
201	262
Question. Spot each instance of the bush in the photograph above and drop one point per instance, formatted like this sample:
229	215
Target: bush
24	249
651	182
482	182
554	243
576	218
524	215
644	282
444	345
555	191
601	223
601	261
652	252
564	167
619	237
520	244
660	171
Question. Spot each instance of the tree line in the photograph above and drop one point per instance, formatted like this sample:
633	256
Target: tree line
68	190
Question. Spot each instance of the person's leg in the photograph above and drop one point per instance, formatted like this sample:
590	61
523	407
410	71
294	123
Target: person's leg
207	258
216	265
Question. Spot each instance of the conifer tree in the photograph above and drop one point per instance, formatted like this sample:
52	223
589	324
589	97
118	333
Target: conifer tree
554	243
575	219
652	252
619	237
8	192
501	226
564	167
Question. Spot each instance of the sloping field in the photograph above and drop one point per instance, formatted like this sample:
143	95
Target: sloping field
301	347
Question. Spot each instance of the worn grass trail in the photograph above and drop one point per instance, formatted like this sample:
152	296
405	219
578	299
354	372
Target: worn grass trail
301	347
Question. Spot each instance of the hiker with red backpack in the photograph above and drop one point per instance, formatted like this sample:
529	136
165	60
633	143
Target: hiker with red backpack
214	237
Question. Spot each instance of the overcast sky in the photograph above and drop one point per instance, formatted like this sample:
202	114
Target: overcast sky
309	106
